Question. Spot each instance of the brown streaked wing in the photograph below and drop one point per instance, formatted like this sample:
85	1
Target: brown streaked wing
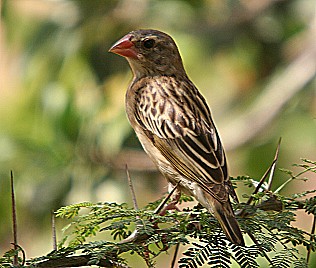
184	133
189	171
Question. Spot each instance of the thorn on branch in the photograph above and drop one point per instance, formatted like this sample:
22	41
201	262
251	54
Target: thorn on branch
270	171
130	184
274	165
14	221
54	231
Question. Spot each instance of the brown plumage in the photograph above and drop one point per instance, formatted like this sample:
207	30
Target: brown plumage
174	125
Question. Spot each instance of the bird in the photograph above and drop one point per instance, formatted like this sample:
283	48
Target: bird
173	123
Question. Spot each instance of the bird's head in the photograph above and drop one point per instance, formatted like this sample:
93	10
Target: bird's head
150	53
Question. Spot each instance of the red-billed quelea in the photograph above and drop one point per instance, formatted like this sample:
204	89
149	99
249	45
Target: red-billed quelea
174	125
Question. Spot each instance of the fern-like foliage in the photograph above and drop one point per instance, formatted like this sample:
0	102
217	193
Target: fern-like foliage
287	258
213	252
245	256
271	239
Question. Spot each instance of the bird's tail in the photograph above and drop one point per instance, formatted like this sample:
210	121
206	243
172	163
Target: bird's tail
224	213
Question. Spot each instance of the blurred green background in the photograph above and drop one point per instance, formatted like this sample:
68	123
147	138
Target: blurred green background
63	129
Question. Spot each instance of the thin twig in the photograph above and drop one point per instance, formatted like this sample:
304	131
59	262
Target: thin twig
293	177
175	255
257	243
134	235
54	231
162	204
274	165
130	184
242	213
265	174
14	221
312	233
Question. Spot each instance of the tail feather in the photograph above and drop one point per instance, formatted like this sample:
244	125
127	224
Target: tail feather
225	216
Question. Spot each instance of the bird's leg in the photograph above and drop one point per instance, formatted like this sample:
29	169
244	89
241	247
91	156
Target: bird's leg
174	195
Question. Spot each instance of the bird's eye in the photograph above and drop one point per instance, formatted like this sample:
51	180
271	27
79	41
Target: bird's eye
148	43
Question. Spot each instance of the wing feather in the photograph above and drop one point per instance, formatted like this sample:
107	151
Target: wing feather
181	128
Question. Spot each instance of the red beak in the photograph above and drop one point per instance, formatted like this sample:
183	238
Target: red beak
124	47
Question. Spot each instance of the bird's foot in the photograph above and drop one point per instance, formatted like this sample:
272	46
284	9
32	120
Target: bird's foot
161	210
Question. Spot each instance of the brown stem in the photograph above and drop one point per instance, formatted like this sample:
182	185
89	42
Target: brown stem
14	221
54	231
310	248
130	184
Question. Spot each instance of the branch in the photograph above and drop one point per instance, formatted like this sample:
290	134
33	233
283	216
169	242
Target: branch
77	261
312	232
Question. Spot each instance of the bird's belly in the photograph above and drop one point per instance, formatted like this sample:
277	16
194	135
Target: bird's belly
190	187
186	186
